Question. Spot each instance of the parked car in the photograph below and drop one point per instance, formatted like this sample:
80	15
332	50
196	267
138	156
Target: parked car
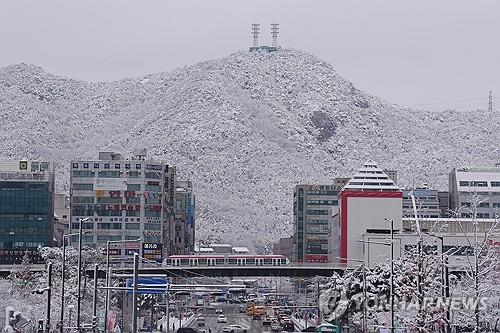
234	329
200	321
218	311
221	319
266	322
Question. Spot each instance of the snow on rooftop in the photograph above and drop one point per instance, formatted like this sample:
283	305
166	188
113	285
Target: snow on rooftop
371	178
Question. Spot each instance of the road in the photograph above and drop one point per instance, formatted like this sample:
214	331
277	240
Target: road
233	317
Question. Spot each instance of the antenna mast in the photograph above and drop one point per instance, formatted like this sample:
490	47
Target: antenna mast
255	33
274	33
490	102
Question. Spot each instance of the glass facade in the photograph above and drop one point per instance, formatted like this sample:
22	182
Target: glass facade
26	217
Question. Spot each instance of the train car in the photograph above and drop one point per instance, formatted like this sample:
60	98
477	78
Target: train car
227	260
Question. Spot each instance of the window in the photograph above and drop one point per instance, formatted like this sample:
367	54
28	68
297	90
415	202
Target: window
132	226
103	238
151	226
83	187
106	165
154	175
75	165
127	166
109	174
317	212
483	215
109	226
85	165
83	173
133	187
117	166
109	200
495	184
134	200
219	261
83	199
484	204
496	205
153	188
151	213
132	213
137	166
250	261
134	174
231	261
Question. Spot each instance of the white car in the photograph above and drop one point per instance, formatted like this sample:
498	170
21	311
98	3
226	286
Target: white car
218	311
221	319
234	329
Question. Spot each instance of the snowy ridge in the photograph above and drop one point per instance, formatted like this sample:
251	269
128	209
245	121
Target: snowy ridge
245	129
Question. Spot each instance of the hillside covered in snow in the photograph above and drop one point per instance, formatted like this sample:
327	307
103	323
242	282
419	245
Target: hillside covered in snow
245	128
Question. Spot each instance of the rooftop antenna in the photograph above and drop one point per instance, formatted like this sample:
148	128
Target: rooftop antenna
274	33
490	102
255	33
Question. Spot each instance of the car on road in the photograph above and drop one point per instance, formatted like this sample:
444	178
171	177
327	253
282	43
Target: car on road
275	327
242	309
221	319
218	311
256	317
266	322
200	321
234	329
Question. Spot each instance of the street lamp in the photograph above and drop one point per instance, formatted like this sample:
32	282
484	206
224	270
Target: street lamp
108	275
63	273
79	284
363	265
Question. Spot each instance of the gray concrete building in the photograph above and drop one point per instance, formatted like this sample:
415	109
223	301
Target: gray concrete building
475	192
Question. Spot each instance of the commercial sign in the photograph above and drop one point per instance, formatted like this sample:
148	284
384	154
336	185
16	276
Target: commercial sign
153	251
23	165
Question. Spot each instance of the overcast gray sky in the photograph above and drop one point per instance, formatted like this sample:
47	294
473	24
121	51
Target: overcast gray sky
408	52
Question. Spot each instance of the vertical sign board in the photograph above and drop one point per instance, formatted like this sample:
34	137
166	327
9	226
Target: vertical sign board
153	251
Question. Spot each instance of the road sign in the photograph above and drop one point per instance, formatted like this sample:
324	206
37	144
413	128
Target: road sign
149	283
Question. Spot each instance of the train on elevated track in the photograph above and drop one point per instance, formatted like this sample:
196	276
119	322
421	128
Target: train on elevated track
221	260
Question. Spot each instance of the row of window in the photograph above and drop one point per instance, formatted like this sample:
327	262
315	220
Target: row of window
478	215
115	174
323	202
117	226
479	183
127	166
317	212
482	204
321	192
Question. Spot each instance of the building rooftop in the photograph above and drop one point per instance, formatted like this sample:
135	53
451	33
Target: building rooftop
370	178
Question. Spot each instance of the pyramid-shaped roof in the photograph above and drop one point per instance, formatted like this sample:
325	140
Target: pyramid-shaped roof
371	178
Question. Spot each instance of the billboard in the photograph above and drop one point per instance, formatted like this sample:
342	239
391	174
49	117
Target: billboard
153	251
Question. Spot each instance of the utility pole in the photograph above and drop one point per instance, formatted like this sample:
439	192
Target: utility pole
49	296
94	307
135	282
490	101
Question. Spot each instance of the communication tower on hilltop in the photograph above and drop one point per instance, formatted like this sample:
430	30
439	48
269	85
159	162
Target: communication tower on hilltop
490	102
255	33
274	33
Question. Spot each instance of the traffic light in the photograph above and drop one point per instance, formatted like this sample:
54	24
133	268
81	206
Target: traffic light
39	326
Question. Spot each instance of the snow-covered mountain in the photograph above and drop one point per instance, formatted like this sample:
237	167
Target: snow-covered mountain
245	129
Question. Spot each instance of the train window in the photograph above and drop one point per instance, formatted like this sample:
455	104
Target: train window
194	262
231	261
184	262
169	261
219	261
268	261
202	262
283	261
250	262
